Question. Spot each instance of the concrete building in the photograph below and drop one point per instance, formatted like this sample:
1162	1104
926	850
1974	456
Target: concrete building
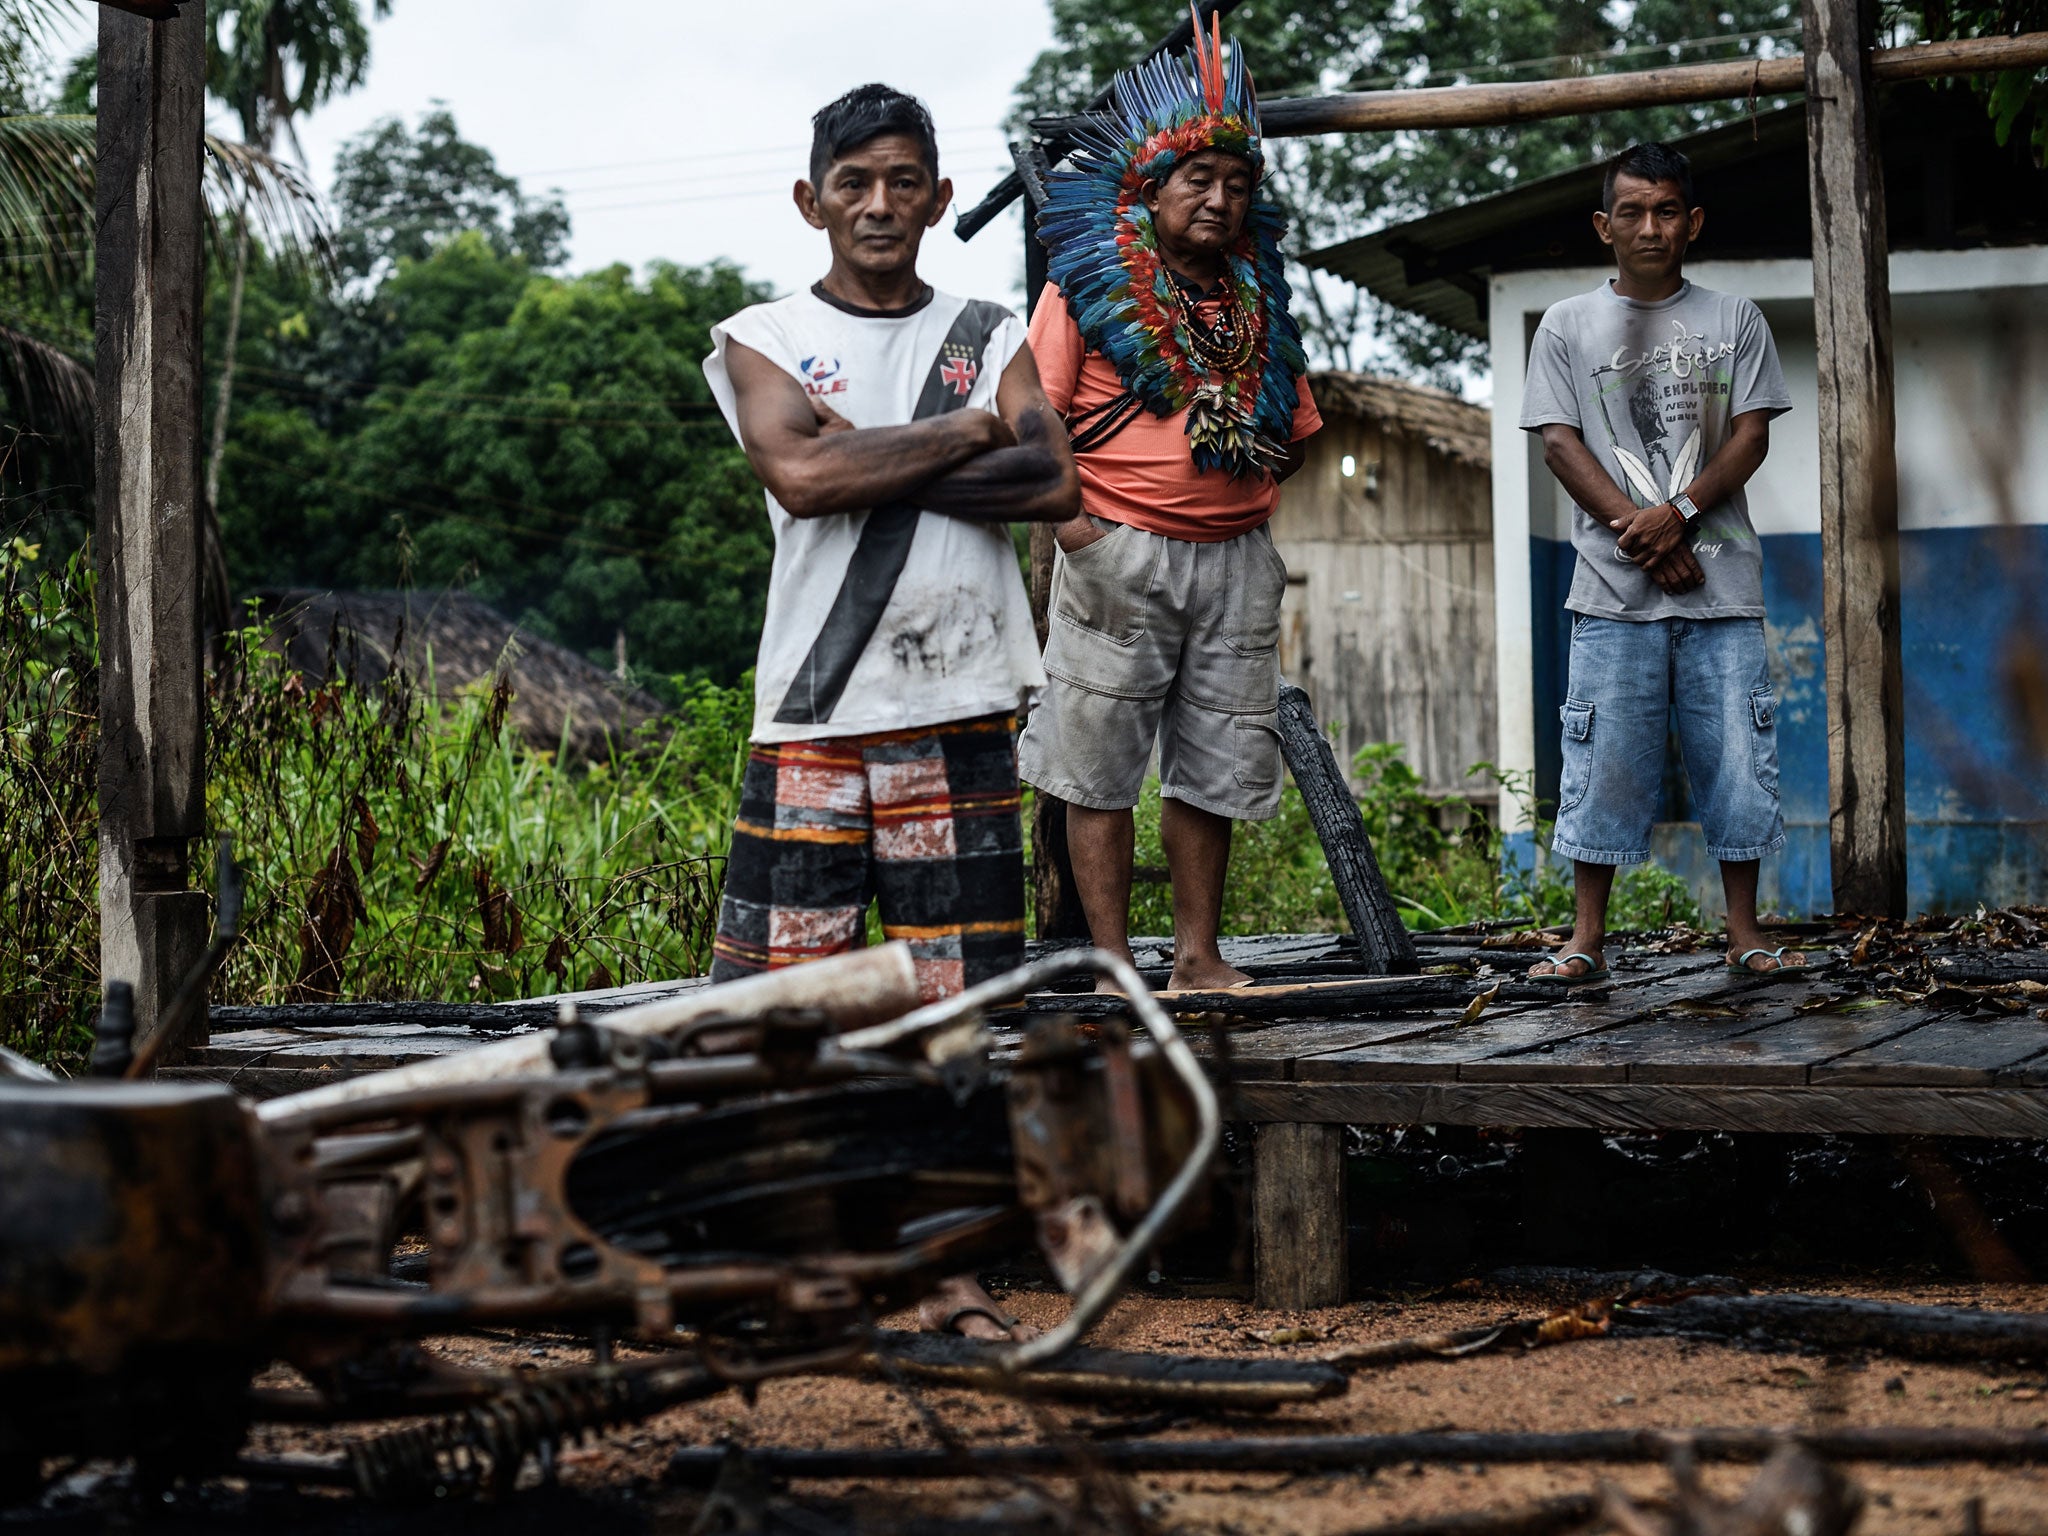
1968	225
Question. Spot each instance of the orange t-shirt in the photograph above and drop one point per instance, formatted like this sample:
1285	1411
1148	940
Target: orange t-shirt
1145	475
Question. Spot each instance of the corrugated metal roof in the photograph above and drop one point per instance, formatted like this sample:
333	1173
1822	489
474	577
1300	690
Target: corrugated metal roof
1949	184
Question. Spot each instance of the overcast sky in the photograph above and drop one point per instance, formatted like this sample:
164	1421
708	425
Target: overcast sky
675	130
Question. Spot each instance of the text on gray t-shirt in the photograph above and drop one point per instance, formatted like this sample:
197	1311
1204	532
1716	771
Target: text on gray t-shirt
1652	388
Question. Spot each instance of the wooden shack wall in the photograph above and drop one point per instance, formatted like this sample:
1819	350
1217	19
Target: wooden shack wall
1388	621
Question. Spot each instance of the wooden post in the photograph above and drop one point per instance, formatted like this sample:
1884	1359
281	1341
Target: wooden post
1299	1252
152	708
1859	494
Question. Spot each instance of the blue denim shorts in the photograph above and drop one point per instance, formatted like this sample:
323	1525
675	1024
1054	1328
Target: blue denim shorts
1628	682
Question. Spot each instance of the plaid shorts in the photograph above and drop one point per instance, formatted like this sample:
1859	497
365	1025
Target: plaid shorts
924	822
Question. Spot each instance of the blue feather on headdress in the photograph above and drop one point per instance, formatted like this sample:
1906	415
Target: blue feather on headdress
1092	223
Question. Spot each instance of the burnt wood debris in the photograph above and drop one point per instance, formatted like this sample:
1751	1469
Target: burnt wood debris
742	1180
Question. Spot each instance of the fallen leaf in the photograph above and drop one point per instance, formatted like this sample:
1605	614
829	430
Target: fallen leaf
1479	1004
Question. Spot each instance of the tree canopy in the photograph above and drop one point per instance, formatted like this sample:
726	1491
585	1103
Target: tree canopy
457	415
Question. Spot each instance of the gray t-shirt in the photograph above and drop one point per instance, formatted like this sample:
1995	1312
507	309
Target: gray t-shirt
1652	389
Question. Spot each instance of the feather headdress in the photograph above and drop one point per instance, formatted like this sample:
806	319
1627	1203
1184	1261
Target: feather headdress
1103	254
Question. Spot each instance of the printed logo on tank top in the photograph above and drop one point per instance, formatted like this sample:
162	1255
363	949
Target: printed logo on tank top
821	375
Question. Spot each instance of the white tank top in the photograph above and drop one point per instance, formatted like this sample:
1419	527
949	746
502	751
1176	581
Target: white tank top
955	638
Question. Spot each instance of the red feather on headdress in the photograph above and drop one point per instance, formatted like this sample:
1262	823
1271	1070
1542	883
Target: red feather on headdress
1209	60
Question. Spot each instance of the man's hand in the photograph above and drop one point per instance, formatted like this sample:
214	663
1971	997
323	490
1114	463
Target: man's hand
1078	533
1652	533
829	420
1677	572
990	432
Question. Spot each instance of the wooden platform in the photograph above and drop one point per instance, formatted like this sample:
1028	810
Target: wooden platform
1669	1042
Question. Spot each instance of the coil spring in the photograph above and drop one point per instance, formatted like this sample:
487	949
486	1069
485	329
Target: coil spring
480	1450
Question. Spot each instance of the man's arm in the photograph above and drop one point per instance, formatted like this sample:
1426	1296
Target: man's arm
1657	529
814	463
1034	482
1673	568
1293	457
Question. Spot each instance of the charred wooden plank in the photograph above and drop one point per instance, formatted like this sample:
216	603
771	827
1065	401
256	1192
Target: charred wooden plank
1653	1107
1110	1375
1944	1051
1349	1453
1845	1322
1383	940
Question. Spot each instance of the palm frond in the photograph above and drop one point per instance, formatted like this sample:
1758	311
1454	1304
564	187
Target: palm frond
36	21
47	392
286	215
46	202
46	217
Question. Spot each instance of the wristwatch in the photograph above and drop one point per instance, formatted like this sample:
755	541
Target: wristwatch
1685	508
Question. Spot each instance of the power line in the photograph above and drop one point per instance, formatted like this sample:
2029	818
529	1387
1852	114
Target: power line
690	182
945	136
720	197
463	394
706	419
375	494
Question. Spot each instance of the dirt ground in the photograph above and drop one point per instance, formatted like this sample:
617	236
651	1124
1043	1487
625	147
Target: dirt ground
617	1482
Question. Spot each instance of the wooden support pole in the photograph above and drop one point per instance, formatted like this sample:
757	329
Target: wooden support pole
1485	106
1859	492
152	709
1299	1253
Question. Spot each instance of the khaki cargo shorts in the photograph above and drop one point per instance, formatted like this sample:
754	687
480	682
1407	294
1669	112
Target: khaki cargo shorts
1158	639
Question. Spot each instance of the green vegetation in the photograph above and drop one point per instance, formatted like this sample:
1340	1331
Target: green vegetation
394	842
454	415
1444	862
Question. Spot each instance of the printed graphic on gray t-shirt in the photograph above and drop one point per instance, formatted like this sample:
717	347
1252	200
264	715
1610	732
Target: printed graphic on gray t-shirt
1652	388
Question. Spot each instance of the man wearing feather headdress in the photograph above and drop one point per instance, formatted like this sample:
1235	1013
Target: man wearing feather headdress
1164	338
1654	398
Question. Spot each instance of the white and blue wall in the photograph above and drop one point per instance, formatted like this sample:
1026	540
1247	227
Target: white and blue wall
1970	339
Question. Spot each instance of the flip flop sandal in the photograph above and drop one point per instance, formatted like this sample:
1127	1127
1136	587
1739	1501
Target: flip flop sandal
1594	971
1740	966
952	1322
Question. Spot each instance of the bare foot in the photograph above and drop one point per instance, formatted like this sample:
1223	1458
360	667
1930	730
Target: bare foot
961	1306
1206	976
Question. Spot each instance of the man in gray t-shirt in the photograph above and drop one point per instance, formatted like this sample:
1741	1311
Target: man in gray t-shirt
1654	398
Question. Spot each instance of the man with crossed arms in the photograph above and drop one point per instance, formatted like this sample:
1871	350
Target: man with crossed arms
898	430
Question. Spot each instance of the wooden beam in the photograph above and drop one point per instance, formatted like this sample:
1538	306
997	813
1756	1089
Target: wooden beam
1299	1253
152	708
1485	106
1859	493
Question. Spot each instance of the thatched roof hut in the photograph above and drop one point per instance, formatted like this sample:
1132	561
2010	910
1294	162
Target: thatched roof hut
559	699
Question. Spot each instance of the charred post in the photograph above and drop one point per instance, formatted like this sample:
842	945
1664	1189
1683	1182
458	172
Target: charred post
148	266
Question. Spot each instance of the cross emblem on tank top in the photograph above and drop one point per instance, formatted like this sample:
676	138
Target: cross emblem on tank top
959	373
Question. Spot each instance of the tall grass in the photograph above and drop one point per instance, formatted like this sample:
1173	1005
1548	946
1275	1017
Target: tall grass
396	840
1445	863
